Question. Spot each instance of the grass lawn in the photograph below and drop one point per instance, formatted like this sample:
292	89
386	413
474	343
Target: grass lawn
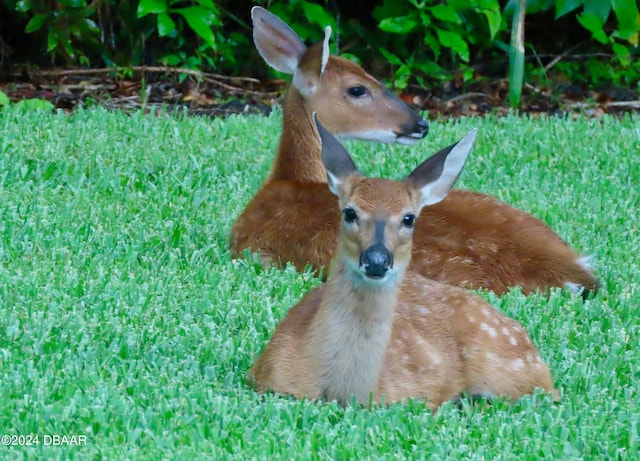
123	318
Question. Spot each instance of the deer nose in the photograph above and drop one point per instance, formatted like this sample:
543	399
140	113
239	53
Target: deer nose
376	261
422	127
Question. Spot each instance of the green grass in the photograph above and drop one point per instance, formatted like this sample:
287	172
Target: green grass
123	318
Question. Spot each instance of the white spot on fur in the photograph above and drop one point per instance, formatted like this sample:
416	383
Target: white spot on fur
471	319
585	263
423	310
491	357
574	288
517	364
435	358
513	341
488	329
505	331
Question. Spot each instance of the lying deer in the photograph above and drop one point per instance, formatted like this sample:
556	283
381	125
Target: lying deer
378	332
469	239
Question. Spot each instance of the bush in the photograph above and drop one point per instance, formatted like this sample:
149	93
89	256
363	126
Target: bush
420	40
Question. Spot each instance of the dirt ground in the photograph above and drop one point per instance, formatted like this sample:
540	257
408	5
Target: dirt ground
161	89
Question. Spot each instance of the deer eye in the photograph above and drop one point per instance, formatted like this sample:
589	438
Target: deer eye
357	91
350	215
408	220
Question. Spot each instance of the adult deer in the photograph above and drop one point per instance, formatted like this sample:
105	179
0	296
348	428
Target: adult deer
469	239
377	332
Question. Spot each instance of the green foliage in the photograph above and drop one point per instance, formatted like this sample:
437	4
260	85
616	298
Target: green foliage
123	318
595	16
172	17
34	104
71	21
420	40
430	34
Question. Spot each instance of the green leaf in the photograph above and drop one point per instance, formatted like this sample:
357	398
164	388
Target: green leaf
494	20
426	20
4	99
566	6
445	13
165	25
208	4
401	78
317	15
618	49
432	69
146	7
65	41
399	25
599	8
23	6
391	9
35	23
91	25
593	25
626	12
195	17
392	58
455	42
433	44
52	43
35	105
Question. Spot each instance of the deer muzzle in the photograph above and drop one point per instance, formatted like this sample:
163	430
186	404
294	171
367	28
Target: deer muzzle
376	261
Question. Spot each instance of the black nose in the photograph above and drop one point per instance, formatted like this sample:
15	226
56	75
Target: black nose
376	260
422	127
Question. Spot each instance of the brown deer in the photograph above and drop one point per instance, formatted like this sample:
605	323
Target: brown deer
469	239
377	332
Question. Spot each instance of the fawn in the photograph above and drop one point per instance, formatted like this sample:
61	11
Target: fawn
469	239
377	332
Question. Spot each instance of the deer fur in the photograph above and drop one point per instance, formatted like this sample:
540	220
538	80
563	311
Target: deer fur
379	333
469	239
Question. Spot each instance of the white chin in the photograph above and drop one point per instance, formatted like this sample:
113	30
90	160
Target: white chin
358	275
386	137
407	140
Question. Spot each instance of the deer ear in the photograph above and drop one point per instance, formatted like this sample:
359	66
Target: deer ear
307	76
436	175
335	157
276	42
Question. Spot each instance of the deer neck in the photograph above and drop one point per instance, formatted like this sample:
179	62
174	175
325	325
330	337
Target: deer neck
300	152
350	336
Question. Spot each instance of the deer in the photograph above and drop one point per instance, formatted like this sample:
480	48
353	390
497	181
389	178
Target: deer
377	332
469	239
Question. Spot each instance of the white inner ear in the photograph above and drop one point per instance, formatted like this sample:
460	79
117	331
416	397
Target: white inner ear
325	48
438	189
334	183
307	84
